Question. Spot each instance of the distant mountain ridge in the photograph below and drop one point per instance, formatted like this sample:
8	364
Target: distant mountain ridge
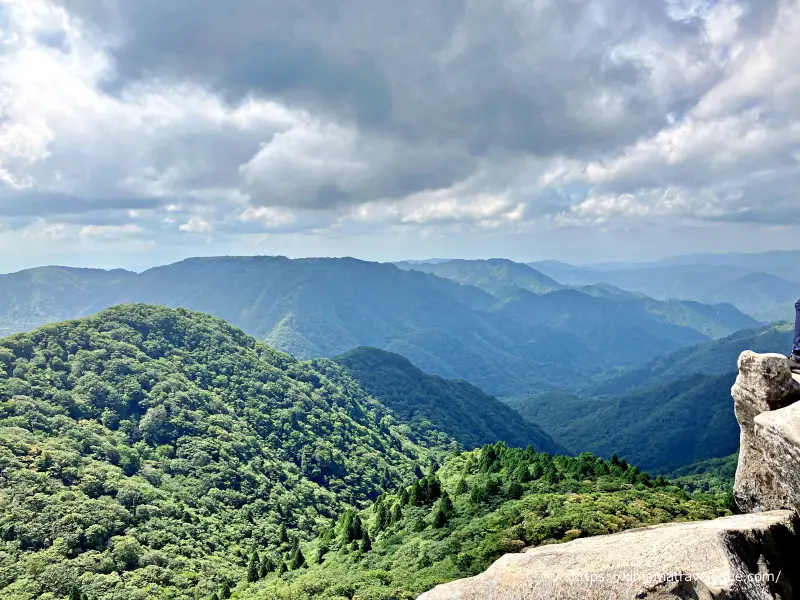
764	286
324	307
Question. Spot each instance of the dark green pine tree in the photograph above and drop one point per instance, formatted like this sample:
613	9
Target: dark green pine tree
366	542
283	537
402	496
461	488
297	560
74	593
282	568
397	512
381	517
253	567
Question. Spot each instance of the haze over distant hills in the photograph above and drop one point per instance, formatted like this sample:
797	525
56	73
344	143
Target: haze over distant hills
764	286
514	342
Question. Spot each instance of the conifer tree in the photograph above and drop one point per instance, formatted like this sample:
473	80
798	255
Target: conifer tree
366	542
253	568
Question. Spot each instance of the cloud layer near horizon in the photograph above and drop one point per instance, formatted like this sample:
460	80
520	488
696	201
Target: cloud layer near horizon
155	124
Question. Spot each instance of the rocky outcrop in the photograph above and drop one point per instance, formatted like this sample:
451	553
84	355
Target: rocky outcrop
751	556
764	398
734	558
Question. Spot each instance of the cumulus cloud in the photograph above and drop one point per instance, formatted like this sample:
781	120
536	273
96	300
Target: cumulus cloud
201	119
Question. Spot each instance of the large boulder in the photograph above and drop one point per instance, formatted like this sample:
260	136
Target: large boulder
744	557
764	398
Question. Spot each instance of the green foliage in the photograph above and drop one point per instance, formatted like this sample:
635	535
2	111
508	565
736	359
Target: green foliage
564	497
672	412
432	405
141	450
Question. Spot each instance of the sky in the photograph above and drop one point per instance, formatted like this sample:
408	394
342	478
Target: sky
135	133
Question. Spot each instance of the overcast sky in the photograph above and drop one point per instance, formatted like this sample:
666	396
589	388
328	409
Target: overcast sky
138	132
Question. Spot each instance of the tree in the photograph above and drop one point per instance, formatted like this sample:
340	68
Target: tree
253	568
297	560
266	567
381	517
75	593
283	537
366	542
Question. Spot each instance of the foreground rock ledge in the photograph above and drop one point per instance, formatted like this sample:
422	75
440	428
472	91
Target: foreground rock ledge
765	400
744	557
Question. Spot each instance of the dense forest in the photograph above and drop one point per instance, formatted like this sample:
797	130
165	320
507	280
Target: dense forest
455	520
432	405
139	448
149	452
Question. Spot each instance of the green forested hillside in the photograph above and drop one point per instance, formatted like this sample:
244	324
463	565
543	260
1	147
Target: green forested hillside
432	405
496	275
479	505
142	450
673	411
551	304
34	297
324	307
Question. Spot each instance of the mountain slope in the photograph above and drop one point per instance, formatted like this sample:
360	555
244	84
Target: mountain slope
142	447
324	307
455	408
674	411
34	297
485	503
495	275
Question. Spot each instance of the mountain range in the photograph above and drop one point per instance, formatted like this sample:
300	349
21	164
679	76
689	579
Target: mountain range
515	342
764	286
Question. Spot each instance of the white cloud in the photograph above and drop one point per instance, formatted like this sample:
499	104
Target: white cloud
526	115
196	225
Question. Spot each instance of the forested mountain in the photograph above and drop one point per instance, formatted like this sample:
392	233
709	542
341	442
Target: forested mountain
434	405
142	449
149	452
495	275
34	297
673	411
324	307
509	281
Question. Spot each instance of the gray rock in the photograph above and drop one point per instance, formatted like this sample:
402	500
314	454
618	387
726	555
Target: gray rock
744	557
768	473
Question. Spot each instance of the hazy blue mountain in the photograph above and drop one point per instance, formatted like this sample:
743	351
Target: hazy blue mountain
673	411
763	295
781	263
622	315
433	404
324	307
495	275
34	297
